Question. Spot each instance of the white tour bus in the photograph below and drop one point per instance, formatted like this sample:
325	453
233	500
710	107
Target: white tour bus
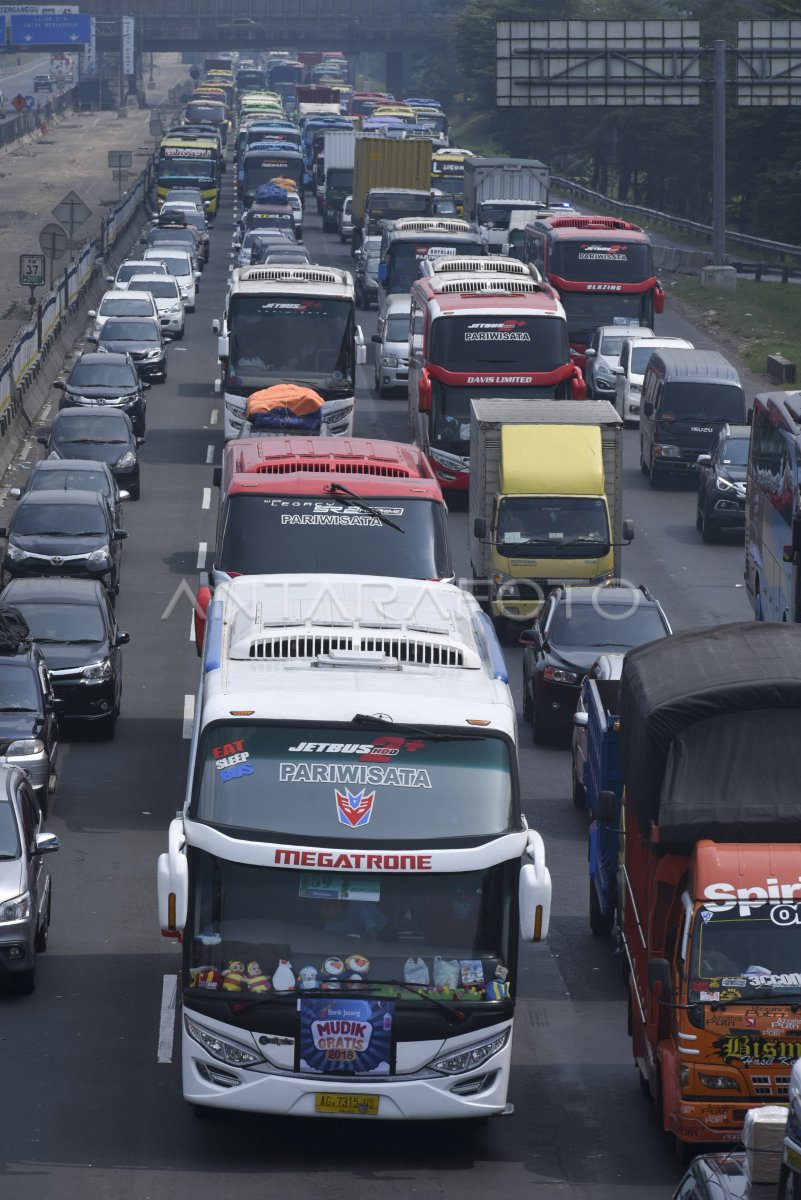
290	324
351	872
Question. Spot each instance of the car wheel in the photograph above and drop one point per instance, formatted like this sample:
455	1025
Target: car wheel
698	521
528	707
709	532
541	727
653	475
601	923
106	728
180	334
40	941
134	490
579	792
24	983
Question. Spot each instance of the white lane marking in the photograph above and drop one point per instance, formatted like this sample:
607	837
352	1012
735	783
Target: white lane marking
206	498
45	413
25	451
192	626
202	551
209	454
215	412
169	991
189	716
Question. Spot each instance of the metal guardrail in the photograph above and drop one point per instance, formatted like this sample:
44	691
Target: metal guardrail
783	249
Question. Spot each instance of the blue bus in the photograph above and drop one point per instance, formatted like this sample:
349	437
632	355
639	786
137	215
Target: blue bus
773	508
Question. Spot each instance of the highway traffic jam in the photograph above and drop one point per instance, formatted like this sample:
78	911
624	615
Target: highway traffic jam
520	539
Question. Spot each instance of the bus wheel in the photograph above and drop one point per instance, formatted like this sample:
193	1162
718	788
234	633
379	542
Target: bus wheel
601	923
758	603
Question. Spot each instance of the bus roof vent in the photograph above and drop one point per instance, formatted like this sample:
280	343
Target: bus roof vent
294	274
321	645
329	466
487	285
475	264
430	225
590	223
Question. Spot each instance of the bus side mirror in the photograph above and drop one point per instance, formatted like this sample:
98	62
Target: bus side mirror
216	477
534	891
173	883
202	602
578	388
628	530
607	807
659	978
382	272
659	298
648	407
424	393
480	527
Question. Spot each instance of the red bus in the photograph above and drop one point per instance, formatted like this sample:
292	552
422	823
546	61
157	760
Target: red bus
602	268
480	327
305	505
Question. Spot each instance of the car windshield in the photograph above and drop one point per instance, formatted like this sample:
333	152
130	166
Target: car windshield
639	359
177	264
114	375
86	428
128	270
602	623
611	345
552	527
130	331
9	831
62	622
703	401
397	329
160	289
734	452
132	307
69	480
18	689
65	518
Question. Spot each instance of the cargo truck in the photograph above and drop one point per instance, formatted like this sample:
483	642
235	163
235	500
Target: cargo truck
390	165
493	187
710	874
545	502
338	152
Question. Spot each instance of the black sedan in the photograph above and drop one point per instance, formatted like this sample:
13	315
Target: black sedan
142	339
575	626
101	380
721	483
81	475
51	535
74	624
102	434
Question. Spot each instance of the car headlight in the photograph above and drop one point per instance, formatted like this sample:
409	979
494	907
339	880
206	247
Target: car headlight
97	671
337	414
667	452
174	310
14	553
154	353
98	558
635	388
18	909
470	1057
603	372
718	1082
223	1050
723	485
25	746
128	460
559	675
236	410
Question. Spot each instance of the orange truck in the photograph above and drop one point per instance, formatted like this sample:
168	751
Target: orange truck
710	873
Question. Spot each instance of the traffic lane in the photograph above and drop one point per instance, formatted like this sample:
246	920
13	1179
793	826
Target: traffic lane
19	82
103	976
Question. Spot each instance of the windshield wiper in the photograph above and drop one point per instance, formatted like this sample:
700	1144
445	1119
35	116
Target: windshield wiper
72	641
17	708
694	417
334	489
50	533
456	1015
84	442
240	1002
367	721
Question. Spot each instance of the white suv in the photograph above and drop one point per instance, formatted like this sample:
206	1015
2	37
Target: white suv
630	370
167	295
602	356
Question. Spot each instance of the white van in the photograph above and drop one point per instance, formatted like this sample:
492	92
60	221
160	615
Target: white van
629	371
345	220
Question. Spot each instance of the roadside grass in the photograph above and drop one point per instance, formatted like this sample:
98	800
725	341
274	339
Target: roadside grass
761	318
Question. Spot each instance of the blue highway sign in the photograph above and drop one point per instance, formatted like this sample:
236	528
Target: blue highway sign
54	29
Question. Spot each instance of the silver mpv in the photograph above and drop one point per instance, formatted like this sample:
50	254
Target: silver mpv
25	892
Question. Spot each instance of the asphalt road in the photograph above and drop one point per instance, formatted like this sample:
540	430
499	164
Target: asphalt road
16	79
90	1113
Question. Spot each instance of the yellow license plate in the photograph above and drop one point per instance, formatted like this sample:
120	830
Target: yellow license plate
343	1105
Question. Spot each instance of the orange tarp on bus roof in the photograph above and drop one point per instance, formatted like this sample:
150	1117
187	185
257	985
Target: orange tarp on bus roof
299	400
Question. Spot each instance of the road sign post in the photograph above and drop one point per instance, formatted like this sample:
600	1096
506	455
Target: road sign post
32	273
53	241
49	29
71	212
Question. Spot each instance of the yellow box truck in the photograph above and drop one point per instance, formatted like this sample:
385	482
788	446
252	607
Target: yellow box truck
545	501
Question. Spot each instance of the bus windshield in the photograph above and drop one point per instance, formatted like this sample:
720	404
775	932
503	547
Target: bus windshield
585	311
614	261
404	259
345	930
346	783
318	535
450	410
276	338
263	168
176	171
499	342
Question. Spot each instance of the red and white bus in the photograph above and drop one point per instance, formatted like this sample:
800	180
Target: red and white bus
481	327
319	506
602	268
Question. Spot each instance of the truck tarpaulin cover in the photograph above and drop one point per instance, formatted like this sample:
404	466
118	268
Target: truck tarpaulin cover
710	727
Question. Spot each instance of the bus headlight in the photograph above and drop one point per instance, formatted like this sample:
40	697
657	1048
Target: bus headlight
232	1053
470	1057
